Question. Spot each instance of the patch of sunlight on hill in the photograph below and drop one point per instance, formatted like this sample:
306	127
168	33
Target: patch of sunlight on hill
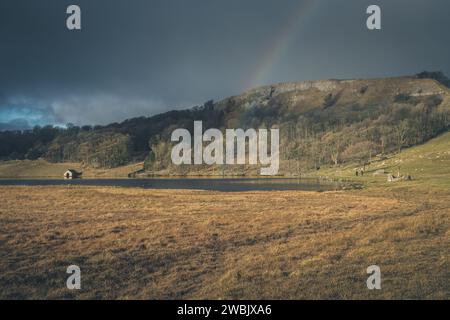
44	169
428	164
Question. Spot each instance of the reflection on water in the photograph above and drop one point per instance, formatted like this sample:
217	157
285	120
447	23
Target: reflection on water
216	184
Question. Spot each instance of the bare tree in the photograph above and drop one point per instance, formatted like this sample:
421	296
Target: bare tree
401	131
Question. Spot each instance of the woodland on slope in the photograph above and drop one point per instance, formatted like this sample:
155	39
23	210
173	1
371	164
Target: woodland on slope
327	122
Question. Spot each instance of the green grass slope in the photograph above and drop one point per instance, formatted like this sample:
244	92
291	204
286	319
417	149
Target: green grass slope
428	164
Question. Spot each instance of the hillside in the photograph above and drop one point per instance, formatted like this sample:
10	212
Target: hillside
428	164
21	169
322	124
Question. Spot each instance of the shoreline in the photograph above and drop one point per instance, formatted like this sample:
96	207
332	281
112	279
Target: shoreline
228	184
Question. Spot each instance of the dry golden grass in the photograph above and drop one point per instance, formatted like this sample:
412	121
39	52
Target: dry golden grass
43	169
158	244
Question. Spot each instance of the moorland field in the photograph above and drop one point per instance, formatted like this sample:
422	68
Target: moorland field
157	244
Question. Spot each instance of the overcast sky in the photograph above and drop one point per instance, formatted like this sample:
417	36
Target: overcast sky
141	57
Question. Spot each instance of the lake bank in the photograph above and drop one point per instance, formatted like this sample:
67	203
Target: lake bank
213	184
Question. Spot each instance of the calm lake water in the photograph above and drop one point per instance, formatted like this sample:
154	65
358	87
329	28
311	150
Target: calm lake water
216	184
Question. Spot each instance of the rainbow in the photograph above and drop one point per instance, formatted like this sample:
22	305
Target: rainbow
281	42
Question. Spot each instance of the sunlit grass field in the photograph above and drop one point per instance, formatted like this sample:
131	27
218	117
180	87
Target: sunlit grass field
428	165
167	244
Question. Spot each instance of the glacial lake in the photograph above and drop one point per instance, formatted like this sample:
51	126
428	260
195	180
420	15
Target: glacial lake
214	184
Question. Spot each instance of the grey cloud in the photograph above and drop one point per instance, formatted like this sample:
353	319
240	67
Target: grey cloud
103	109
142	57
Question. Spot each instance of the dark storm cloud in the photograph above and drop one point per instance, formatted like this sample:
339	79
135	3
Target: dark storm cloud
141	57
